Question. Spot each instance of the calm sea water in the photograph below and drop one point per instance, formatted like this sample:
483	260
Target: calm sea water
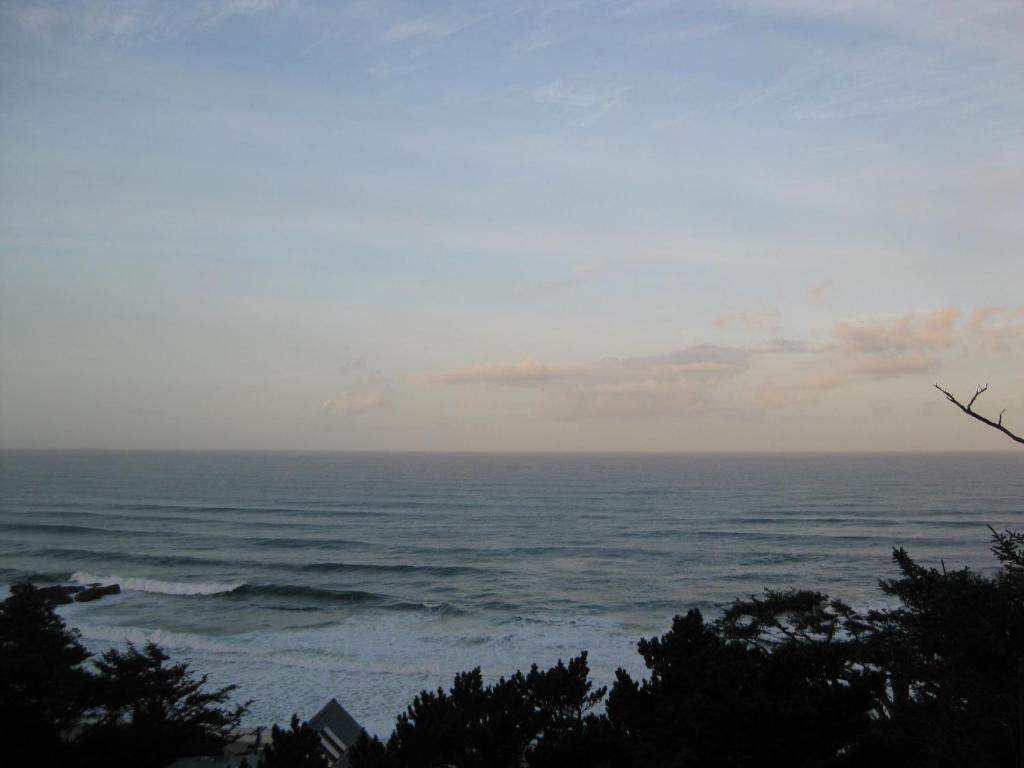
371	577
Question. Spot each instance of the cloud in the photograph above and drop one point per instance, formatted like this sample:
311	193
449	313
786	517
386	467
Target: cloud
113	19
216	12
996	328
614	388
904	333
882	347
967	22
648	386
539	39
702	361
703	378
579	101
424	27
352	402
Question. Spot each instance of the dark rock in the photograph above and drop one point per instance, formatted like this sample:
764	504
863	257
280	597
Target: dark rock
60	594
95	593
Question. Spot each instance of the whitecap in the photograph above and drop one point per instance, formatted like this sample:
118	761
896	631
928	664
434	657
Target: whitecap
156	586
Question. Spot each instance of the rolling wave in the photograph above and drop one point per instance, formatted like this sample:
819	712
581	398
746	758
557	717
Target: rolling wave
156	586
246	591
142	558
337	597
434	570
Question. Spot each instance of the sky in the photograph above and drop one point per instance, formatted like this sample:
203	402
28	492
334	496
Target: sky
589	225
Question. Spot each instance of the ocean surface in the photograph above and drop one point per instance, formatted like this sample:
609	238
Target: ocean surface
372	576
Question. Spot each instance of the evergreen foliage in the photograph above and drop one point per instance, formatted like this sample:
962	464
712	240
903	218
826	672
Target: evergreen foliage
295	747
152	712
788	678
44	690
536	719
126	708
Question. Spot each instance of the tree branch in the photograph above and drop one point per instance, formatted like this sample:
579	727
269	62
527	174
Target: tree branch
968	409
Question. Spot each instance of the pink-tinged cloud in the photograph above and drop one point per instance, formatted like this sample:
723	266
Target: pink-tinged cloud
918	331
616	388
996	328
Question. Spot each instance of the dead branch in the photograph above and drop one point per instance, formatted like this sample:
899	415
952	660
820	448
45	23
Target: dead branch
969	410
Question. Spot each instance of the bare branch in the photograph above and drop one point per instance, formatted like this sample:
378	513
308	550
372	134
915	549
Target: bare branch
970	412
976	394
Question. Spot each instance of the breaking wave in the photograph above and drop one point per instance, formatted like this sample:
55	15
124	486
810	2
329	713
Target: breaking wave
156	586
243	591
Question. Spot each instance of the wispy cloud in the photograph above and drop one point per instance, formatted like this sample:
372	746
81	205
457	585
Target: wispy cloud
994	329
581	102
871	348
913	332
120	19
216	12
430	26
967	22
628	387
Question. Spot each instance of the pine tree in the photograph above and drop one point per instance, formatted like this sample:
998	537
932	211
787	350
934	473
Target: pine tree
153	711
44	690
297	747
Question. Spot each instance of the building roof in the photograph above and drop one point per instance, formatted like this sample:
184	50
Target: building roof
338	730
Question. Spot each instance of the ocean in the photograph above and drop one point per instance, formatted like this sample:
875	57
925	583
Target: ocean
369	577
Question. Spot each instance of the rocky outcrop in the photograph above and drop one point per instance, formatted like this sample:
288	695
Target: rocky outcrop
96	592
60	594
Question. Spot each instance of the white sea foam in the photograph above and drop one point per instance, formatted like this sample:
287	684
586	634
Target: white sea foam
374	664
156	586
173	641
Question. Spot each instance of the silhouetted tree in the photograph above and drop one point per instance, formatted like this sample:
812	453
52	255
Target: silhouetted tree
369	752
774	677
787	678
1007	548
153	711
44	690
59	706
297	747
536	719
950	651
